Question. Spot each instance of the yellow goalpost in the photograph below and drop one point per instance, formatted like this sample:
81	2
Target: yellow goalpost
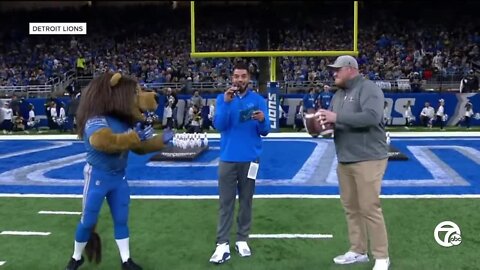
272	54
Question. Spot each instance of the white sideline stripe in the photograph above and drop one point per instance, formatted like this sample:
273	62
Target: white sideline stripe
59	213
24	233
266	196
291	236
2	263
271	135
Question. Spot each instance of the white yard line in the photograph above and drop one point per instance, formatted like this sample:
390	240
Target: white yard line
291	236
271	135
59	213
266	196
25	233
2	263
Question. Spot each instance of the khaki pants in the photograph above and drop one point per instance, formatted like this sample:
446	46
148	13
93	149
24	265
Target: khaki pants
360	184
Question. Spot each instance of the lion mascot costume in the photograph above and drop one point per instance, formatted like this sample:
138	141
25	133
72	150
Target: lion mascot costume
111	122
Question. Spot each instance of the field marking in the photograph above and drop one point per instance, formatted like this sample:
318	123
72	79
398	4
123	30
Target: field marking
58	213
261	196
26	233
2	263
291	236
271	135
445	176
54	145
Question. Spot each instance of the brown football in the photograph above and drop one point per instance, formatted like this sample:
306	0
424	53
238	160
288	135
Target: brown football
313	126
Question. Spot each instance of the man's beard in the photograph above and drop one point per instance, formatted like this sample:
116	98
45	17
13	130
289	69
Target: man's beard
242	88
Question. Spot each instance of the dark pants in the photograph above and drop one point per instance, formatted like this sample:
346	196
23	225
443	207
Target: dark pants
69	125
232	176
170	122
467	121
7	125
174	117
440	121
425	120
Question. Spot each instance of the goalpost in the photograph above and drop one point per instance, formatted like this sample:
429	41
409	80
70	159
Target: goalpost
272	85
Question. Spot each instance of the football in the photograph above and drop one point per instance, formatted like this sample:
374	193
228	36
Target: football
313	126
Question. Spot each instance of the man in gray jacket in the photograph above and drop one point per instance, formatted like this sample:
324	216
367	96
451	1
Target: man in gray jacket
362	152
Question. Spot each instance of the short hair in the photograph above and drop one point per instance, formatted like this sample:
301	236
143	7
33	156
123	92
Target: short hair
241	65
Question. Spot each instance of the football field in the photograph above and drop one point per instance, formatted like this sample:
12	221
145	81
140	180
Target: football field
174	208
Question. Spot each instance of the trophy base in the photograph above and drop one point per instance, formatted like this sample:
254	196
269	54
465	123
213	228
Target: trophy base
171	153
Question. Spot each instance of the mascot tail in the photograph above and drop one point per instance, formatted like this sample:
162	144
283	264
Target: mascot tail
93	250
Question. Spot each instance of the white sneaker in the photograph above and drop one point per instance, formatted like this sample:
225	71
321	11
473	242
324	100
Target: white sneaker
243	249
221	254
382	264
351	257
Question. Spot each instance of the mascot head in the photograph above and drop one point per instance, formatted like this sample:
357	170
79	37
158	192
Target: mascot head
117	95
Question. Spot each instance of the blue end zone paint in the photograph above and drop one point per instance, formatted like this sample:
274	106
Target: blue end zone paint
276	153
284	159
12	146
404	170
34	157
466	167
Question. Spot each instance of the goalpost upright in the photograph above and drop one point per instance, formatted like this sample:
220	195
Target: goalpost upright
272	86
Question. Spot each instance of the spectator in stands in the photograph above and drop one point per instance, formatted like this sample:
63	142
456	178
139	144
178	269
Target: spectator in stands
415	81
469	83
438	61
426	115
81	65
151	56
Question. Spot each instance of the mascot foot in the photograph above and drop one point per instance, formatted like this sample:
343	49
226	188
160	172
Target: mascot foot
74	264
131	265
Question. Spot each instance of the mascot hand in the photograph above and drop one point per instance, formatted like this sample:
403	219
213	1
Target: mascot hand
144	133
167	135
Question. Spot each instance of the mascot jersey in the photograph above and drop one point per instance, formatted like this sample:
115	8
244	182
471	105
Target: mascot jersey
112	163
104	177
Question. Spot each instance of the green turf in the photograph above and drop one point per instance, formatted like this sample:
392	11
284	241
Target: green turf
180	234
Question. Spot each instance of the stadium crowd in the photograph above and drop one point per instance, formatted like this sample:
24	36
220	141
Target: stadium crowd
157	51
